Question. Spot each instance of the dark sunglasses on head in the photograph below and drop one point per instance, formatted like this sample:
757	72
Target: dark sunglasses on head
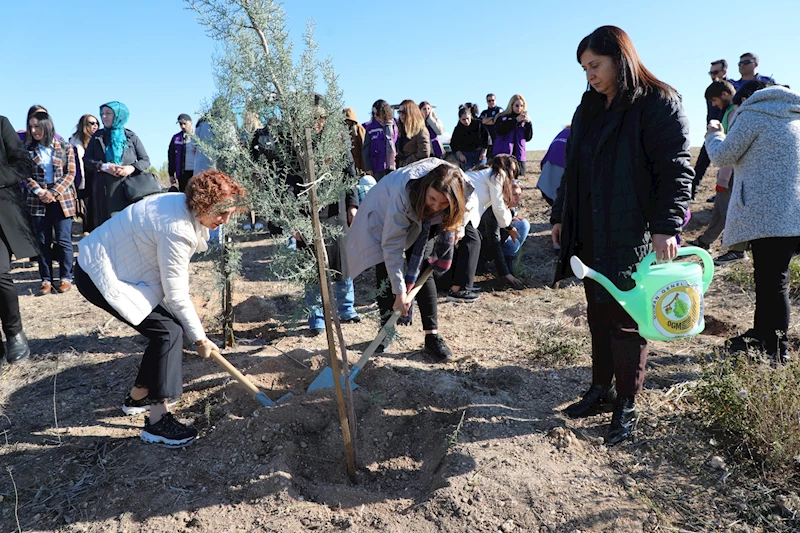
746	62
714	72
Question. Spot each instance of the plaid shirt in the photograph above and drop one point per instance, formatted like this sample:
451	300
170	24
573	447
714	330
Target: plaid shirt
63	179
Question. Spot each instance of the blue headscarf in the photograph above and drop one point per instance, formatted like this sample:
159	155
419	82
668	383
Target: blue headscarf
119	141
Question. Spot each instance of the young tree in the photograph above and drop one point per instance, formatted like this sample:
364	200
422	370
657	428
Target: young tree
305	139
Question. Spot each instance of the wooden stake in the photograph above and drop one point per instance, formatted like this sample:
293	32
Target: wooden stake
228	340
324	287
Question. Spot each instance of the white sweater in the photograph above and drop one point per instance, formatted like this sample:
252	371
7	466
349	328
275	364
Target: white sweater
488	193
140	257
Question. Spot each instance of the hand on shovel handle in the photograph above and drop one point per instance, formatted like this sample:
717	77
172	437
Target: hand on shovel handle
205	347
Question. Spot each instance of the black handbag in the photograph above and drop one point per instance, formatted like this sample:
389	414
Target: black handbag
140	185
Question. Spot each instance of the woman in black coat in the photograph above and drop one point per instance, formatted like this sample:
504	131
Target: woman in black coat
16	237
625	192
113	154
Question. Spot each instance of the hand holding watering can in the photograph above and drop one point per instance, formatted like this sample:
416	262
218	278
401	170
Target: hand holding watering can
667	301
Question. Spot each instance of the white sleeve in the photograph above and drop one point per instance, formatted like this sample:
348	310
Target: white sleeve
174	253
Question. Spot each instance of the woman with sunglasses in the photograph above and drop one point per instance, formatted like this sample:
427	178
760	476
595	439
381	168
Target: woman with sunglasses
87	126
415	141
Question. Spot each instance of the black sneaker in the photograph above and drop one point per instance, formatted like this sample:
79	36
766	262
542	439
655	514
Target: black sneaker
168	432
136	407
731	256
462	296
435	345
352	320
711	200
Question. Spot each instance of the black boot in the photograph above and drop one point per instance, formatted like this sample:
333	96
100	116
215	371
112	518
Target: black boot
593	401
623	421
435	345
17	348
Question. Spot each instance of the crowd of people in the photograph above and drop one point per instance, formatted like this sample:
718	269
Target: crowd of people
618	177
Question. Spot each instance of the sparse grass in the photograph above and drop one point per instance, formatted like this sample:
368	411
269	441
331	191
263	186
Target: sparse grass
741	274
756	405
553	344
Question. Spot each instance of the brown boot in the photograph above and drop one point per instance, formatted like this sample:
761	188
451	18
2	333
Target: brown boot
46	288
64	285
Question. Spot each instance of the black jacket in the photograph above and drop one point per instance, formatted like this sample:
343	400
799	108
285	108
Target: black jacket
469	138
641	183
15	167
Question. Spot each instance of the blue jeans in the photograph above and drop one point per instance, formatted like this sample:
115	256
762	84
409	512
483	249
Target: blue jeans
345	297
54	221
473	159
510	248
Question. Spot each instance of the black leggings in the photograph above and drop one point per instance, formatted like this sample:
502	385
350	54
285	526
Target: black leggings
9	301
160	371
466	261
427	298
771	258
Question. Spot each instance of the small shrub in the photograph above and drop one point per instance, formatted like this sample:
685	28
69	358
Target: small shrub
554	344
757	406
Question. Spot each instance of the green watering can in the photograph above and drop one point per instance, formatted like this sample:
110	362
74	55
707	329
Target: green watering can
667	301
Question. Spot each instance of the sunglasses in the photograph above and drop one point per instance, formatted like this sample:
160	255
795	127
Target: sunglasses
713	72
92	123
746	62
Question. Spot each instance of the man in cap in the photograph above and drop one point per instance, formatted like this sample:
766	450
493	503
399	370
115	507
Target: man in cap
182	150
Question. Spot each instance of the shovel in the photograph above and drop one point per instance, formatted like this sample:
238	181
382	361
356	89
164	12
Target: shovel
325	378
260	396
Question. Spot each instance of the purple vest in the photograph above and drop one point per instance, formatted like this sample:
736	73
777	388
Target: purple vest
555	154
377	144
436	144
512	142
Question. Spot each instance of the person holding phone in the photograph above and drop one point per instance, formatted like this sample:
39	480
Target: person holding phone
514	129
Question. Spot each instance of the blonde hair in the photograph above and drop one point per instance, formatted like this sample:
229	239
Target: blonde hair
412	121
510	109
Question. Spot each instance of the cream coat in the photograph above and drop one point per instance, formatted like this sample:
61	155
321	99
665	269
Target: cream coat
139	258
386	225
488	193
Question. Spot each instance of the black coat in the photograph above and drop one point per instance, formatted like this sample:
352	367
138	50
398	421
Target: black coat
641	183
108	197
469	138
15	166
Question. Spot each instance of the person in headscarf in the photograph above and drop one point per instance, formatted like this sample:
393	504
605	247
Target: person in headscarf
113	154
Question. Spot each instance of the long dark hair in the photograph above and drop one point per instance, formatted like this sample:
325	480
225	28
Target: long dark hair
635	80
448	180
46	123
83	131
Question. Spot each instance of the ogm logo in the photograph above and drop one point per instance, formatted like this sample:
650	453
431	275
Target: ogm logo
677	309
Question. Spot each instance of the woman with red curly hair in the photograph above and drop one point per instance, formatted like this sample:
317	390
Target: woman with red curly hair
136	267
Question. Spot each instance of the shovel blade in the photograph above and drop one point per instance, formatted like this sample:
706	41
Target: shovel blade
325	379
264	400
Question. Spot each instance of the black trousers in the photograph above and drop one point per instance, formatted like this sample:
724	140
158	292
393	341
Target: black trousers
466	258
184	178
617	348
9	301
492	246
771	258
161	369
427	298
703	162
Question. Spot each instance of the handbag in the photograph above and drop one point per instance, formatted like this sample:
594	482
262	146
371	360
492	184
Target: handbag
140	185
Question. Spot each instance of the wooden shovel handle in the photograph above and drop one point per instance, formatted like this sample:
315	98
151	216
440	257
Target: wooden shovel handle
233	372
393	320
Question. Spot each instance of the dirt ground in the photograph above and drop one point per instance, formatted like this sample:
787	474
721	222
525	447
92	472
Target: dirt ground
479	445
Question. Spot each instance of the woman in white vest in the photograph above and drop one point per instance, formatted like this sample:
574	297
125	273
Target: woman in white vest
136	267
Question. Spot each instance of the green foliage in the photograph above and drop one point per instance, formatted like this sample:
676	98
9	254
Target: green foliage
259	74
681	309
756	405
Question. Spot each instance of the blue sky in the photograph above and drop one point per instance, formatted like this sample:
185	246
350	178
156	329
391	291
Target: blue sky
155	57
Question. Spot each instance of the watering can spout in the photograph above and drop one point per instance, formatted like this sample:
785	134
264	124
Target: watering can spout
582	271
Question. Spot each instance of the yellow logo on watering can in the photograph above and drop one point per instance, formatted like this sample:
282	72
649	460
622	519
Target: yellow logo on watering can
677	309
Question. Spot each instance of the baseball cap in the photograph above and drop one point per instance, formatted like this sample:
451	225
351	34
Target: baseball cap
183	117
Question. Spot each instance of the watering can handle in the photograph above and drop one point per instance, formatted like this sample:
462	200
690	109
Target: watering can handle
708	262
